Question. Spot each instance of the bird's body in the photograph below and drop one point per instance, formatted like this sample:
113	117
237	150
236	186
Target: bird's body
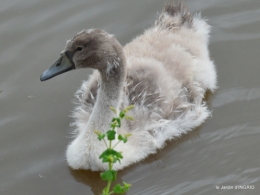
164	73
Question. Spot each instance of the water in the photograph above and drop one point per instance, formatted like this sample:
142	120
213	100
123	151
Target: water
34	122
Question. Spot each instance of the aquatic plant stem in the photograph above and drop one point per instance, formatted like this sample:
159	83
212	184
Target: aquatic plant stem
110	166
110	155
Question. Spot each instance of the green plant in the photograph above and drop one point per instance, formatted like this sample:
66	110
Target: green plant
112	156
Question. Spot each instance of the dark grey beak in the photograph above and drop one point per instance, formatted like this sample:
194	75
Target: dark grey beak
63	64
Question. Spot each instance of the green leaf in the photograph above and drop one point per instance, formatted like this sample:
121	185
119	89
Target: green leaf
128	135
117	122
124	138
110	155
127	117
118	189
97	132
127	186
105	153
111	135
121	114
113	109
107	159
113	125
128	108
109	175
100	135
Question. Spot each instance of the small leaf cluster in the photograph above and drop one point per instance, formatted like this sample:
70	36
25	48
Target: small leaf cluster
120	189
112	156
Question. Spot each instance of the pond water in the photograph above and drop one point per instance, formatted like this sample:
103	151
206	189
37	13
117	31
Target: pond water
34	123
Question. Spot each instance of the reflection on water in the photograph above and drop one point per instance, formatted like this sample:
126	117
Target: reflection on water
34	122
155	163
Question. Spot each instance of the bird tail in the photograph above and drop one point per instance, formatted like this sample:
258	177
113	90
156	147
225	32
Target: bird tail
174	16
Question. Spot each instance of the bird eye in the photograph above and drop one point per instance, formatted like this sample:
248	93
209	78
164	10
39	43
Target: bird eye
79	48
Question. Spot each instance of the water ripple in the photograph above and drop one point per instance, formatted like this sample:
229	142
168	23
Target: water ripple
232	95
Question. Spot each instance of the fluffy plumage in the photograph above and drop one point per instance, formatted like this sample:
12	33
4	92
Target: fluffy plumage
164	72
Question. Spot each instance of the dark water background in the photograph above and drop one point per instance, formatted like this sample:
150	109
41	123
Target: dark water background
34	122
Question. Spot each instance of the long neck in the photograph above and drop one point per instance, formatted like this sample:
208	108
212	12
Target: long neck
109	94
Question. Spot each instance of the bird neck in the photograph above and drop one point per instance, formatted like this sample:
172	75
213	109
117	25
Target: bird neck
109	95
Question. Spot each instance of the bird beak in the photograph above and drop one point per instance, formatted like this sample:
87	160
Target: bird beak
63	64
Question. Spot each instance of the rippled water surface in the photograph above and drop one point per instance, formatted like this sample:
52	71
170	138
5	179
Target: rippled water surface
34	122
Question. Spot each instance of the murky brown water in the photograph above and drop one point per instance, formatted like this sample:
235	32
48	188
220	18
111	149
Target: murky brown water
34	122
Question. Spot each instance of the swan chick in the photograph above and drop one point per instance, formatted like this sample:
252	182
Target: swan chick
163	72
